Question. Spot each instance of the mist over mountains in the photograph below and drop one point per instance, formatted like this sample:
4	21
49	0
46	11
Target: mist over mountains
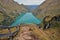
31	7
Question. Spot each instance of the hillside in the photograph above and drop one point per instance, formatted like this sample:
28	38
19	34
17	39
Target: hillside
10	9
49	7
48	29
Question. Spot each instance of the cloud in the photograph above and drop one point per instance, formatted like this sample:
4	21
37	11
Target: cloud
30	2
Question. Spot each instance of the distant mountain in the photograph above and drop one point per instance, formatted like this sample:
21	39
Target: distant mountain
31	7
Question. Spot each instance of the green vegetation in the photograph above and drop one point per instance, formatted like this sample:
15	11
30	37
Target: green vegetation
0	17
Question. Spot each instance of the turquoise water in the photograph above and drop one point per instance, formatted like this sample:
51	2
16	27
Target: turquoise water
27	18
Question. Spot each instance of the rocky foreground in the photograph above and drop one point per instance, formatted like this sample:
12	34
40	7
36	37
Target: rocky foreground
32	32
26	34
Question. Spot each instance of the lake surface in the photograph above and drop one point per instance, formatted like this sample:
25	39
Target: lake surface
27	18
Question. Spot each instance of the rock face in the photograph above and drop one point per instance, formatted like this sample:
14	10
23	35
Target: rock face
11	8
26	34
49	7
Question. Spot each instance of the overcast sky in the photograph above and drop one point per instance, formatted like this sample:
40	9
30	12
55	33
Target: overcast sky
30	2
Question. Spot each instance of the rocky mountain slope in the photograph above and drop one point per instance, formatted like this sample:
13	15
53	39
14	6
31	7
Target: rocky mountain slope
10	9
49	7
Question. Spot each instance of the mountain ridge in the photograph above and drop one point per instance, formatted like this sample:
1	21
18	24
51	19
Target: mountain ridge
49	7
31	7
10	8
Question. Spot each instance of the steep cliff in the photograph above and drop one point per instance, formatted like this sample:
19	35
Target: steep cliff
10	10
49	7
